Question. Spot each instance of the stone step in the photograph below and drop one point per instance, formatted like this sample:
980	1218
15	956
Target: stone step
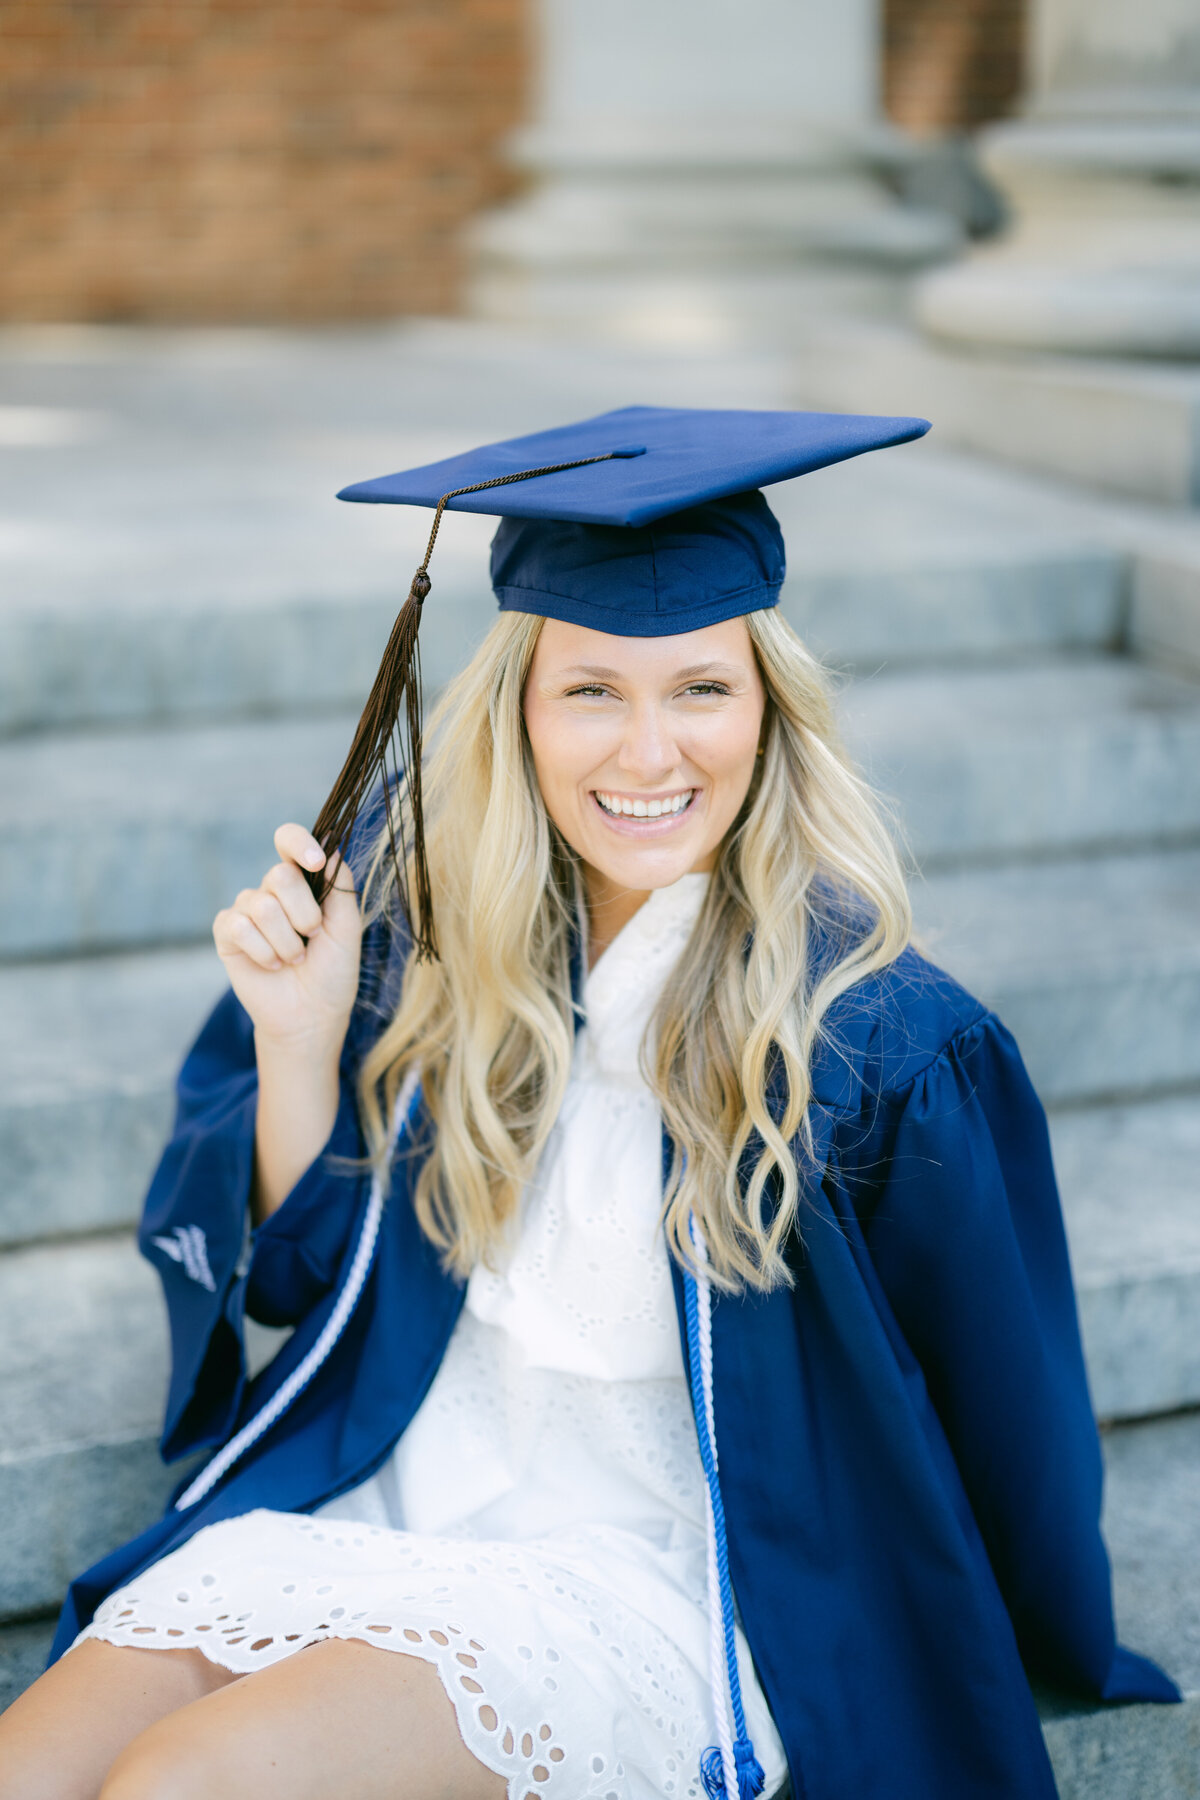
84	1375
923	556
82	1362
140	837
78	1145
1061	755
1093	962
864	590
87	1061
172	548
79	1140
23	1652
1152	1522
1128	1177
135	837
1129	426
1164	613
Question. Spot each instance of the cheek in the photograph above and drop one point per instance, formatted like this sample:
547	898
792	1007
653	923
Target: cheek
727	753
560	759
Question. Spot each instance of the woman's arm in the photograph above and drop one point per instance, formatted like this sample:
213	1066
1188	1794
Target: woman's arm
258	1100
299	997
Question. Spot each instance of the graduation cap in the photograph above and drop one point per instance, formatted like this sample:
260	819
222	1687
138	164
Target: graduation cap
643	522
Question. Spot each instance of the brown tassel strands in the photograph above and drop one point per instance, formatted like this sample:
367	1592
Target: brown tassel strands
393	712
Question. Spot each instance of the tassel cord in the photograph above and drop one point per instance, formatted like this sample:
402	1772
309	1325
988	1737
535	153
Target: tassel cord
300	1377
395	691
727	1767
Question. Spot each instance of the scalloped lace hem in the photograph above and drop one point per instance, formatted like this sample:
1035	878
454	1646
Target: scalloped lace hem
527	1758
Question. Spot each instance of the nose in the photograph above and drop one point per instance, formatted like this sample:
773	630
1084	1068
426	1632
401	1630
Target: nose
648	752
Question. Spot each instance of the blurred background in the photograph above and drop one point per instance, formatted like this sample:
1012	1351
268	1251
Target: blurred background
251	251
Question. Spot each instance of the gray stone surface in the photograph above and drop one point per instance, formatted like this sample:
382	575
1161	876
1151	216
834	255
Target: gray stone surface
1057	756
87	1059
169	537
1152	1523
82	1377
1164	614
140	837
23	1653
83	1356
990	603
171	556
1131	1197
1126	426
1093	963
170	545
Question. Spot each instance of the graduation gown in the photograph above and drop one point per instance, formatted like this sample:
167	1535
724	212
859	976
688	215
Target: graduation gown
909	1462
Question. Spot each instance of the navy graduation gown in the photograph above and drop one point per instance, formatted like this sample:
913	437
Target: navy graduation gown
910	1467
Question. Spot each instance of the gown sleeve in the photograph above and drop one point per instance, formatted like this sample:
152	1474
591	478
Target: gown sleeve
966	1236
196	1228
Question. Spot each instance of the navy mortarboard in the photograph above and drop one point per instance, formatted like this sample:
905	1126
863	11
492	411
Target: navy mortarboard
642	522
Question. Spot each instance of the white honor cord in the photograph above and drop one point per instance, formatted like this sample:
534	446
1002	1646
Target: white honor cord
332	1330
717	1671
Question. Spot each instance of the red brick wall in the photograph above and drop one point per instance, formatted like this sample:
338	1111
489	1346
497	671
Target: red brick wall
247	159
950	65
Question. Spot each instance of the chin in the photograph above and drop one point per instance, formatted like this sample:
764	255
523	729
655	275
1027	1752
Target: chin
645	869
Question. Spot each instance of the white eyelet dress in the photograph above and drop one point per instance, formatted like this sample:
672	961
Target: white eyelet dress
538	1533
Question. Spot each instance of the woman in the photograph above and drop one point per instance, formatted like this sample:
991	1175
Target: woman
680	1153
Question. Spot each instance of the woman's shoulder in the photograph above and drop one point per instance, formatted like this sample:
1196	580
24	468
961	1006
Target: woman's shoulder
889	1028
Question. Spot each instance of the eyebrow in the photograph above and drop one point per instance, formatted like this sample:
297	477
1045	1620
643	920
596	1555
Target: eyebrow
595	673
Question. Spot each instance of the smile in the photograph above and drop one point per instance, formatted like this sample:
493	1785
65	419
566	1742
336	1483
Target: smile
621	806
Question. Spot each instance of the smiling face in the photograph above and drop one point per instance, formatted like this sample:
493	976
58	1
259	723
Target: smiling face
644	749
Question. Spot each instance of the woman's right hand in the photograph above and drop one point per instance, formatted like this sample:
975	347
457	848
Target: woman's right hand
299	997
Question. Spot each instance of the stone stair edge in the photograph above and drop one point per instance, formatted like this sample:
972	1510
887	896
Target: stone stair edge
276	657
154	828
1098	1752
1128	427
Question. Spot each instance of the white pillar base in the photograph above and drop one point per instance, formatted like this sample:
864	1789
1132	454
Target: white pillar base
1104	257
681	237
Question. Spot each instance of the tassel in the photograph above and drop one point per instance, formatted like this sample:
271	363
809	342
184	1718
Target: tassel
750	1777
712	1772
397	690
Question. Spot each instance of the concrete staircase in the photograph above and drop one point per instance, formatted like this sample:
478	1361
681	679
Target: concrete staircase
188	626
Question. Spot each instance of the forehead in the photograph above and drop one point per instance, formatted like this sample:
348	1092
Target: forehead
562	646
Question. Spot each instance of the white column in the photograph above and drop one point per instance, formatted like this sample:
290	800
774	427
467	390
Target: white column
1102	174
700	167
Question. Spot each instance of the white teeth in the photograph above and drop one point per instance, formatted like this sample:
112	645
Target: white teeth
643	809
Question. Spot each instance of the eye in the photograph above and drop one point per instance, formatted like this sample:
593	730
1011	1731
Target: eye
589	689
704	688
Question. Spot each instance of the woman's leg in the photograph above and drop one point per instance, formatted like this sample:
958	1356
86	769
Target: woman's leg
59	1739
342	1717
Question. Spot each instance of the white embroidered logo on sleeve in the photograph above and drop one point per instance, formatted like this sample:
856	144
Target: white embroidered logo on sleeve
189	1247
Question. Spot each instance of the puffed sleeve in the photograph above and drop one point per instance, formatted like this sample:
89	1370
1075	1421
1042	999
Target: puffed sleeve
966	1234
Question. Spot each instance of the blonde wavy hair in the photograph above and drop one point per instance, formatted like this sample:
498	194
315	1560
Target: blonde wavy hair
491	1024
